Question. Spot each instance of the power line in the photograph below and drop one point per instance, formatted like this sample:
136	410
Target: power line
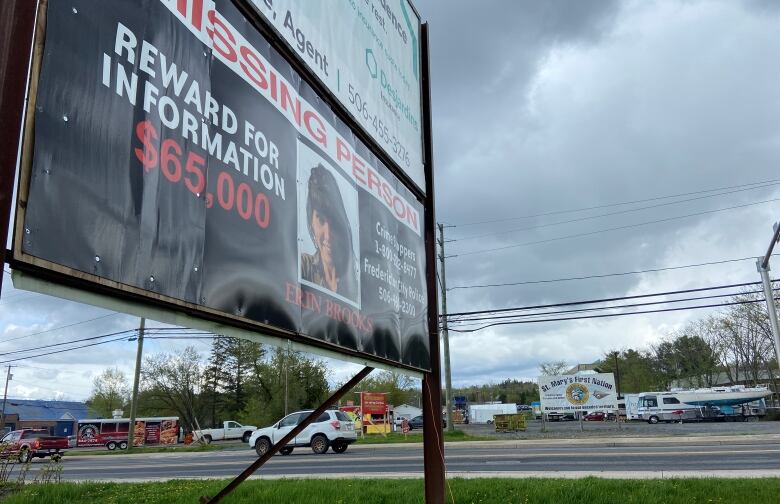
583	317
523	316
609	205
59	327
608	214
66	342
599	231
183	332
603	300
121	338
605	275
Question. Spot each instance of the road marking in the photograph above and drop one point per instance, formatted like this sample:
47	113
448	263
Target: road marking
727	474
477	458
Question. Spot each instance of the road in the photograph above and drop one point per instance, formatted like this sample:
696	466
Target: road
733	457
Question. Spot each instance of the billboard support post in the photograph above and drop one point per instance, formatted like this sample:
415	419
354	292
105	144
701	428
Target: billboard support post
433	444
289	437
17	19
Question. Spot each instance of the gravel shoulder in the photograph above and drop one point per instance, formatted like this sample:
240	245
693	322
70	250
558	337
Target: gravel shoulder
572	430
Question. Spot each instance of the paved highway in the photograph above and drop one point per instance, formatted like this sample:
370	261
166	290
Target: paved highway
733	458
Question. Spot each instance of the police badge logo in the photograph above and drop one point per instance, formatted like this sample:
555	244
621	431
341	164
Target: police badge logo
577	394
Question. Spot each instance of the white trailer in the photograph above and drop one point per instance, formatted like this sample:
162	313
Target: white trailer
632	406
483	413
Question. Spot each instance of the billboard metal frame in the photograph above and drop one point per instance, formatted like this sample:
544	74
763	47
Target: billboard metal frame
64	275
17	22
16	65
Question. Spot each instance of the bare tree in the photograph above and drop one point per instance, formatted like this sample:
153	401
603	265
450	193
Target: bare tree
553	368
174	380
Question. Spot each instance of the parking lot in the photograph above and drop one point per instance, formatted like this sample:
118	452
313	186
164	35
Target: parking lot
571	429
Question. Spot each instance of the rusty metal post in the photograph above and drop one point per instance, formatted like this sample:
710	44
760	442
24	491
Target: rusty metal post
17	22
433	442
289	437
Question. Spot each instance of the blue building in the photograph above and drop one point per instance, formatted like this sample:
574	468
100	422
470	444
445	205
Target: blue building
60	418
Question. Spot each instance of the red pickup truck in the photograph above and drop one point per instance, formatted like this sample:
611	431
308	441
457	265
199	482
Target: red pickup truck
28	444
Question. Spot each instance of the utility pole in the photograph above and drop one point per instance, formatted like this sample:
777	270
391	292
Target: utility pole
136	379
617	384
8	378
286	366
762	264
617	373
445	334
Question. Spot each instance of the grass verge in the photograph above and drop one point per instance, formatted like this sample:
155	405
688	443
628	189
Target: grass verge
75	452
673	491
417	437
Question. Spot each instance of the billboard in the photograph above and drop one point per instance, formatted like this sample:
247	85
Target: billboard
578	392
178	157
367	53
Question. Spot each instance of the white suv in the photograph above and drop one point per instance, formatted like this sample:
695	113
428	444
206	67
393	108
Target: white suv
332	429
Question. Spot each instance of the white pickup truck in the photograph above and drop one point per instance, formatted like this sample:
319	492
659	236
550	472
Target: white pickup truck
230	430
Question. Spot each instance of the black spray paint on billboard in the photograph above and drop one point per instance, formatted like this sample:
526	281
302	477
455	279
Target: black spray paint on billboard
177	152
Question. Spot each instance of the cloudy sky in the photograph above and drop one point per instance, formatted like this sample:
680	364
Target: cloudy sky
543	108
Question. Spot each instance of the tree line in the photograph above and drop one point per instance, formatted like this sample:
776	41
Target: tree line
241	380
733	346
256	384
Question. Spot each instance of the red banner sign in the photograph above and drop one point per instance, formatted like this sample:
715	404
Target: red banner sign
373	403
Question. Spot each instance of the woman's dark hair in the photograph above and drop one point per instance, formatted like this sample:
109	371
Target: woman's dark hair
325	198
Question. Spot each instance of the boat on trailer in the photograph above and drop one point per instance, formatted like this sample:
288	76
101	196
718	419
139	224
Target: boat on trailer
714	403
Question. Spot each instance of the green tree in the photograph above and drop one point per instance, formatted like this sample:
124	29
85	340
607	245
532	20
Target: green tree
635	370
215	379
172	383
400	388
110	391
284	378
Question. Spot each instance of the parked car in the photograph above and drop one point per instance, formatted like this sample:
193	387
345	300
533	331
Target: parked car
417	422
229	430
595	416
333	429
522	408
27	444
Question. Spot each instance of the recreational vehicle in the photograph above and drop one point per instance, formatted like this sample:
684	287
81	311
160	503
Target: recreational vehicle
718	403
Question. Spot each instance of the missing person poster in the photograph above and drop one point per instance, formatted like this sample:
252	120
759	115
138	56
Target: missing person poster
178	153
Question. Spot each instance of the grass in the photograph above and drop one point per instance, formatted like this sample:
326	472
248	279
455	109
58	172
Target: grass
417	437
75	452
673	491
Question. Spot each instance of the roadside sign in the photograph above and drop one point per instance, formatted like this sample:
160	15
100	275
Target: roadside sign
405	426
569	393
373	403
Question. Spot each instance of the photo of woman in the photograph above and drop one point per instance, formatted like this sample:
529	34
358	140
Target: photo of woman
332	265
